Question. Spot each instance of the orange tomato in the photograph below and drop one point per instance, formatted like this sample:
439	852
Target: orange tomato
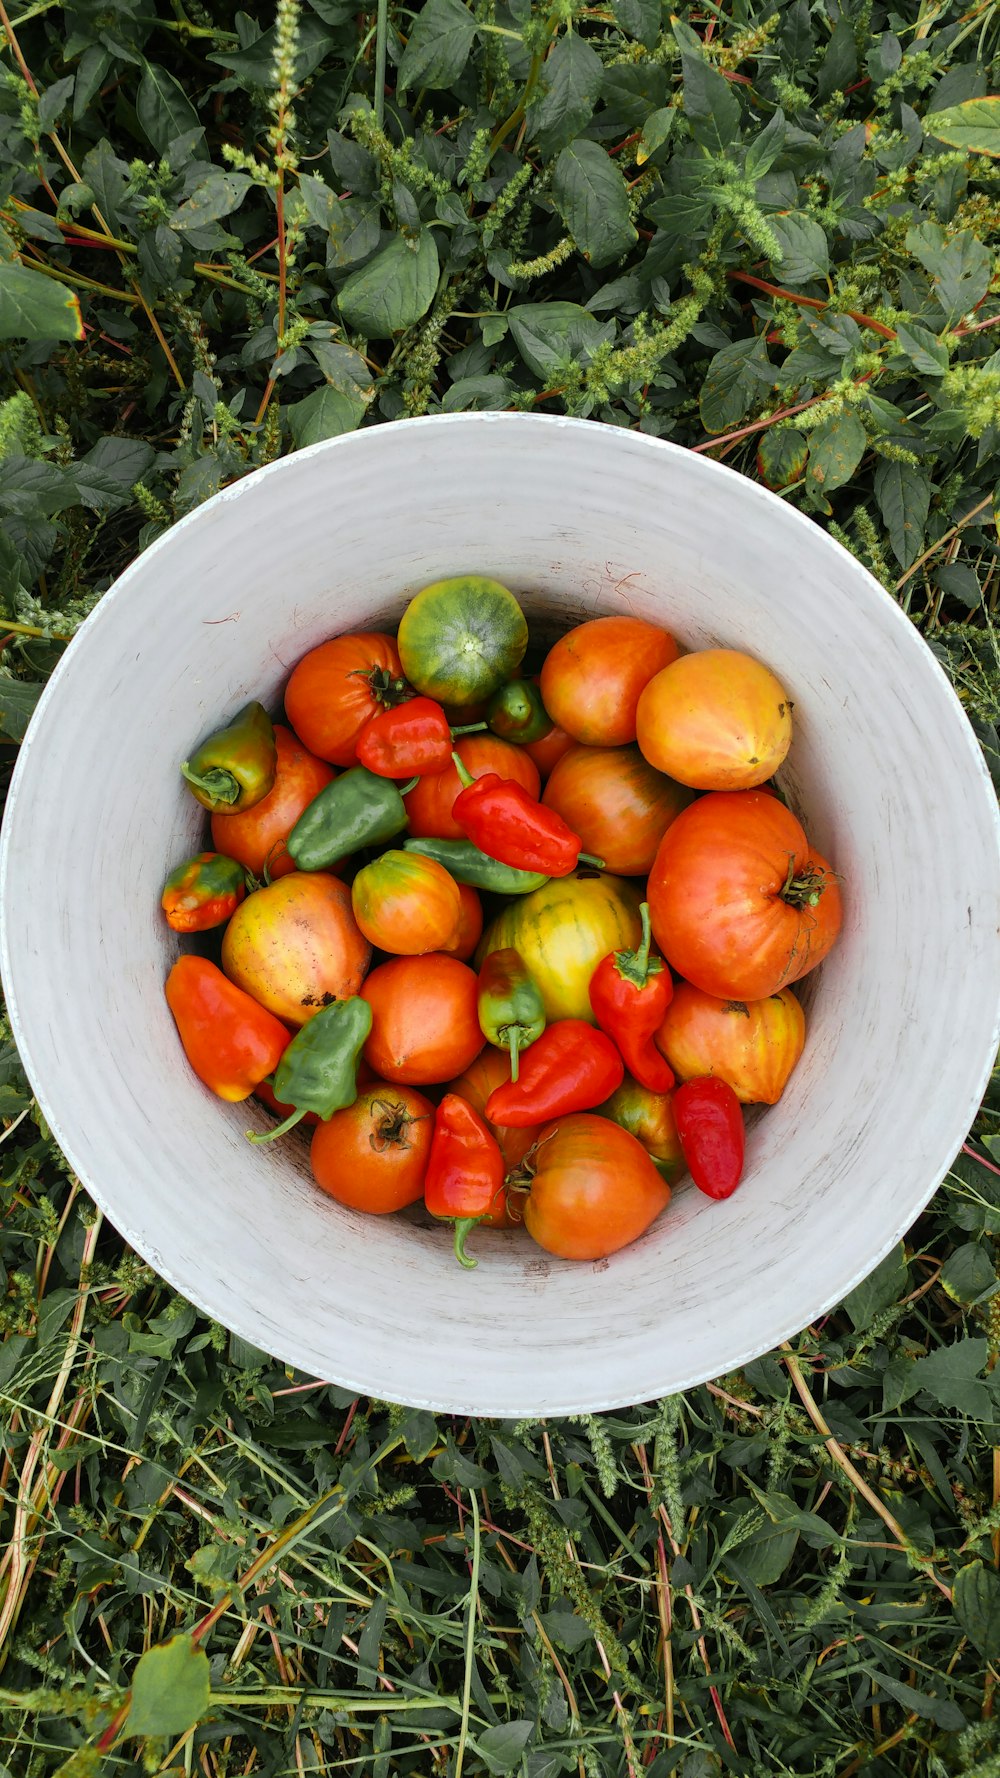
752	1044
428	806
617	803
649	1117
547	752
425	1026
335	689
470	925
406	904
592	678
490	1069
255	837
594	1188
373	1156
717	720
295	945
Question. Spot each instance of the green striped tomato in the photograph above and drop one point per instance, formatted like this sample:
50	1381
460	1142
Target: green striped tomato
461	639
562	931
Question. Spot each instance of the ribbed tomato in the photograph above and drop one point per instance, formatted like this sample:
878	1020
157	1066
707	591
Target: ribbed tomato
592	677
470	925
562	930
428	805
617	803
255	837
593	1188
406	905
649	1117
717	720
295	946
336	688
740	904
752	1044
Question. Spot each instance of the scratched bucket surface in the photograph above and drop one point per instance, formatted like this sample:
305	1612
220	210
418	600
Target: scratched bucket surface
579	519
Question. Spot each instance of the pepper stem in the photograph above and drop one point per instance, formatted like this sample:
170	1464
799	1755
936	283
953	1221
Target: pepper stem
465	777
279	1129
217	784
588	858
514	1040
411	784
642	954
463	1225
470	728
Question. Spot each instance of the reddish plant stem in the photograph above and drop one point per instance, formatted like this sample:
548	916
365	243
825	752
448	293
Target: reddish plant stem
810	302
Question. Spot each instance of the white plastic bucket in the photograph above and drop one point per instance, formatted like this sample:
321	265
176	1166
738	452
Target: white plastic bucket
578	519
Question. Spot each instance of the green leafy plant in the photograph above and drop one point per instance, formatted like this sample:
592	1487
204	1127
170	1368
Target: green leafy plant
767	231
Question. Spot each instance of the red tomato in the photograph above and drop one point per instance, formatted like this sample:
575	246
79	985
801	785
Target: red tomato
335	689
406	904
547	752
593	676
425	1024
490	1069
617	803
373	1156
593	1188
428	805
752	1044
255	837
470	925
717	720
740	904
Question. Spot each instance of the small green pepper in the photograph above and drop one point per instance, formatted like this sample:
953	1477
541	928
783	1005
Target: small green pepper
510	1006
467	864
357	809
319	1069
517	713
234	768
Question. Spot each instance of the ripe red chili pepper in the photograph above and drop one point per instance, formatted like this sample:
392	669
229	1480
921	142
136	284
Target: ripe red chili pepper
709	1122
231	1042
630	992
571	1067
507	823
465	1171
411	738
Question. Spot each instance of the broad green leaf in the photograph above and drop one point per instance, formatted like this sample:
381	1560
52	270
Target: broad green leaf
640	19
976	1603
322	415
927	353
105	477
53	101
655	132
33	307
254	65
958	265
835	450
170	1688
550	335
785	1515
840	63
476	393
438	46
571	77
765	148
781	456
219	194
903	493
394	289
354	230
880	1290
735	377
163	108
960	581
943	1711
951	1374
805	253
968	1275
710	104
501	1747
590	194
973	126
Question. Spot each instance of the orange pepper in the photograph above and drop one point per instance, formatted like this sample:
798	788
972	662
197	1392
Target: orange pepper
231	1043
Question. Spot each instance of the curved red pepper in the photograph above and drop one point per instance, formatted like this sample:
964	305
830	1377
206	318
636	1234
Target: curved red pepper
571	1067
630	992
465	1171
709	1121
507	823
407	739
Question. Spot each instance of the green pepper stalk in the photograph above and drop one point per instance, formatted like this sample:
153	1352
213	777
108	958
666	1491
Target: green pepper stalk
358	809
234	768
510	1007
319	1069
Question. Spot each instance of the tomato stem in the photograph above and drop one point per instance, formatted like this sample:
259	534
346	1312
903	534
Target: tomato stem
804	891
